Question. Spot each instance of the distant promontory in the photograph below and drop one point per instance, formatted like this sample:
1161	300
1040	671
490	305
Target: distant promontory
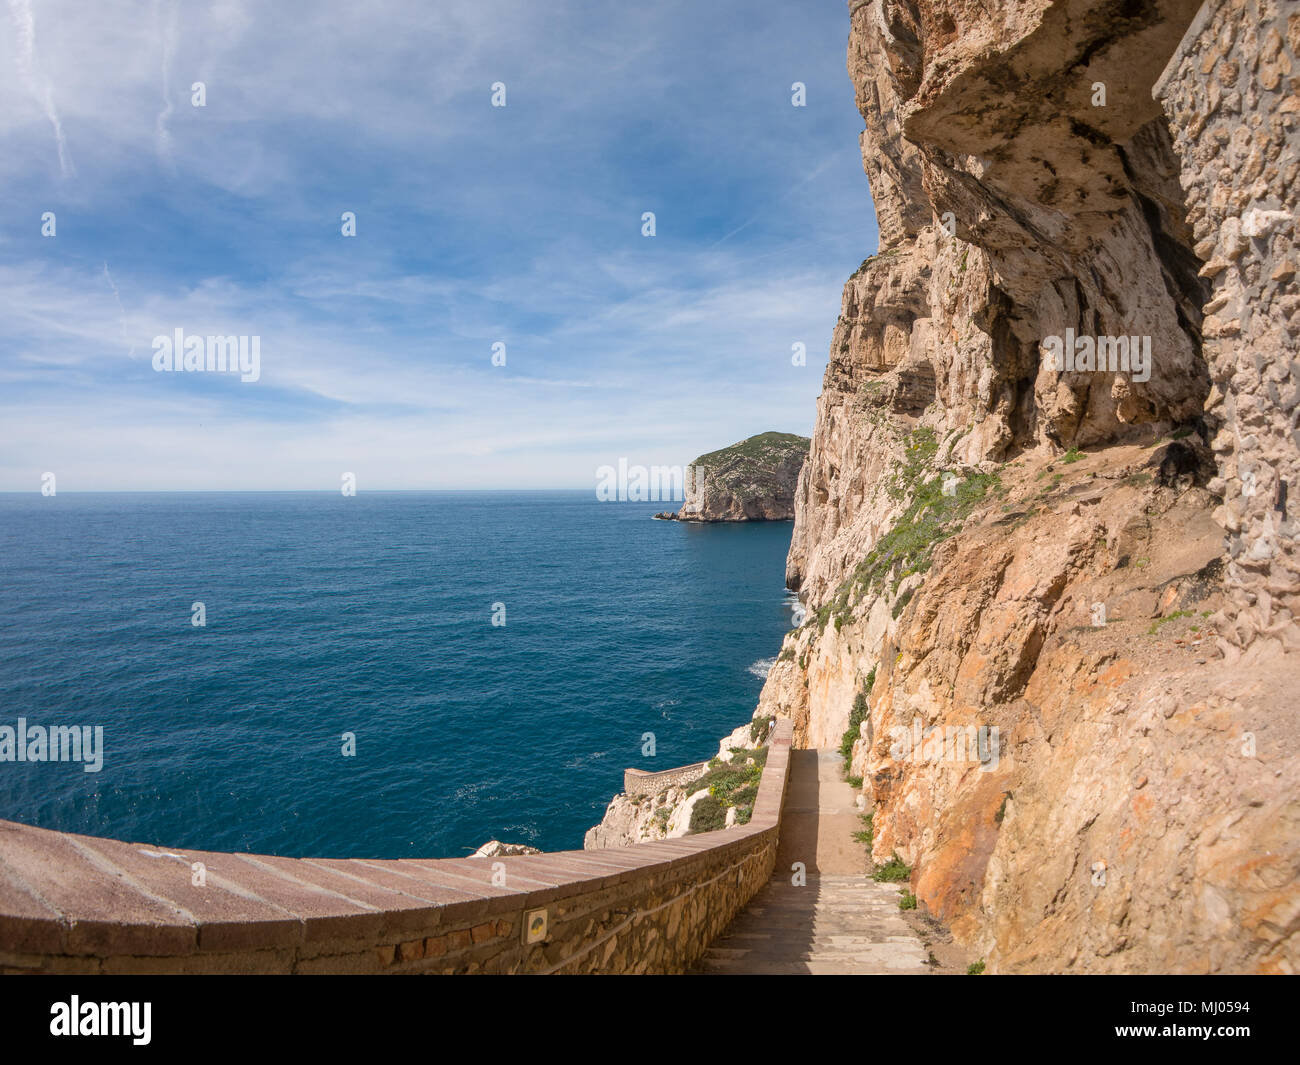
753	480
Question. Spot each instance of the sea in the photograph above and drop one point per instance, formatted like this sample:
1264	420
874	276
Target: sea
387	675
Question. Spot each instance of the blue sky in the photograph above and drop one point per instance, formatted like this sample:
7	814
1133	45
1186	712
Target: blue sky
475	224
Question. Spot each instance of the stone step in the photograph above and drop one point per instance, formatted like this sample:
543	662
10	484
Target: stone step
862	957
862	935
815	968
839	921
806	927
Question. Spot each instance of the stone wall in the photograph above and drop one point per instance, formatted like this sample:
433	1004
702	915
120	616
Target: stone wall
1232	96
639	782
76	904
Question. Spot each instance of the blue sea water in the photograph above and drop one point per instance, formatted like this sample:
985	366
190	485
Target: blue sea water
370	615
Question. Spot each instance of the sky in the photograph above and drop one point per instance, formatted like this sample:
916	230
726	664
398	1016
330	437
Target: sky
475	225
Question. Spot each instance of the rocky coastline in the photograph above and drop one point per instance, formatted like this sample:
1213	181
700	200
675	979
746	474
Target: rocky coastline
752	480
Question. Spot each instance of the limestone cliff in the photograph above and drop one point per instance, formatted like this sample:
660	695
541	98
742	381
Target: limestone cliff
1071	592
663	804
753	480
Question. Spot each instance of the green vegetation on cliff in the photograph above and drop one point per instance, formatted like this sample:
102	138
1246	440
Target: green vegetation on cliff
856	716
733	783
892	871
762	450
932	515
754	480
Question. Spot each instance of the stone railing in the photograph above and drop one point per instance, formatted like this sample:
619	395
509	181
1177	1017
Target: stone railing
77	904
639	782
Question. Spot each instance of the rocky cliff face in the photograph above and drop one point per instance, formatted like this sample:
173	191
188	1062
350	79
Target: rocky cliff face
1026	558
753	480
663	809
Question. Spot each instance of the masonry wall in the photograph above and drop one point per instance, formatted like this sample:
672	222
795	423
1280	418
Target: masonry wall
639	782
1232	96
77	904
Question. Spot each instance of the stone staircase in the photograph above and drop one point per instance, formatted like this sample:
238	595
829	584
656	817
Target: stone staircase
836	924
840	921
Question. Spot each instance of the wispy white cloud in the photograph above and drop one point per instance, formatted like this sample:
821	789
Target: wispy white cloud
423	410
166	27
122	310
476	225
33	79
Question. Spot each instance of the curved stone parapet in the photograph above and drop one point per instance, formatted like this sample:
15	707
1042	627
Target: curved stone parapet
79	904
639	782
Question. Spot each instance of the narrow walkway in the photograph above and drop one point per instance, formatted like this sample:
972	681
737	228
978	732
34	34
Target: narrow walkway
840	921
